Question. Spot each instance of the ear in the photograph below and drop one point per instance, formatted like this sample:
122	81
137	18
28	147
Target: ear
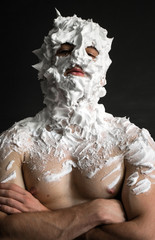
57	12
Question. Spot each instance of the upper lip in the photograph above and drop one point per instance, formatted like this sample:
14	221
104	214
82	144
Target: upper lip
74	69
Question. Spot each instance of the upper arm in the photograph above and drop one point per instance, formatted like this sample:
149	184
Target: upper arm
139	204
11	159
11	168
138	194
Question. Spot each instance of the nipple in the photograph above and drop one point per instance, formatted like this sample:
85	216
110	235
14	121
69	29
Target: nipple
111	190
33	191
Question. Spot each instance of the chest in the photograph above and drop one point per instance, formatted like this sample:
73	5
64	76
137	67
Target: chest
67	175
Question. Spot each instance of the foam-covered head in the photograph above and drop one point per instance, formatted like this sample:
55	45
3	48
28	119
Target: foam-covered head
80	34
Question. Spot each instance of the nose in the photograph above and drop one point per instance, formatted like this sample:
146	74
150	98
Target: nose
79	56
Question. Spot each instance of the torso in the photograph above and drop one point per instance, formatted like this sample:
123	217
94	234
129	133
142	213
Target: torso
72	175
65	167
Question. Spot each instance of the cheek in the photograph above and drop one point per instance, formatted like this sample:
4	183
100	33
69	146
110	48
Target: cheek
62	63
94	68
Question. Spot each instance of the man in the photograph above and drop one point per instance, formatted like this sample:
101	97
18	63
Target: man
62	171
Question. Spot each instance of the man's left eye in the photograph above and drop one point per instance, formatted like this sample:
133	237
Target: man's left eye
91	55
92	52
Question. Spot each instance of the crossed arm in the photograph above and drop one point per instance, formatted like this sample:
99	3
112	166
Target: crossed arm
32	220
22	216
29	219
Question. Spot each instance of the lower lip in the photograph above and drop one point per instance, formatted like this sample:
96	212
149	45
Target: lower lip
77	74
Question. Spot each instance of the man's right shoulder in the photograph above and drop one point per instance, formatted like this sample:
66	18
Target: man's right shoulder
17	138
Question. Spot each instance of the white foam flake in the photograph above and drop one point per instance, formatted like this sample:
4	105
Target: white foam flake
112	160
132	179
142	186
66	169
10	177
10	164
114	183
152	176
113	171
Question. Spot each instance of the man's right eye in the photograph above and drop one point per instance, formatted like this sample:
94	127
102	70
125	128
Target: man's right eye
63	52
65	49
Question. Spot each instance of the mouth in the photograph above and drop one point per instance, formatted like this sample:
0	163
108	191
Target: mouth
76	71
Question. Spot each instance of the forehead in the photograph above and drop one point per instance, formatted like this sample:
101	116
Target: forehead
76	31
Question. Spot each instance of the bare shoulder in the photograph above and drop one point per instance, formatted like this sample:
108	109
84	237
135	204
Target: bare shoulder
139	184
140	154
121	129
14	143
138	149
17	138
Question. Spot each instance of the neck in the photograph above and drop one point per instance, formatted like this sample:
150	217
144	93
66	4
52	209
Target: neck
83	114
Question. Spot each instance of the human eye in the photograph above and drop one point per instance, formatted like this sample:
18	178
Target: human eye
65	49
92	52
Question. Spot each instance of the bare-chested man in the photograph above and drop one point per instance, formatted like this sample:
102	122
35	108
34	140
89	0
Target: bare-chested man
62	170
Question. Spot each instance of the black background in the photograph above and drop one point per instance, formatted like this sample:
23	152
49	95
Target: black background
130	79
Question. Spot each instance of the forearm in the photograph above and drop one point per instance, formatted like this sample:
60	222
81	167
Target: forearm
124	231
137	229
61	224
64	224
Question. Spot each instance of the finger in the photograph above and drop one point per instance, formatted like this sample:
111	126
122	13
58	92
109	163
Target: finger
8	210
13	195
13	204
13	187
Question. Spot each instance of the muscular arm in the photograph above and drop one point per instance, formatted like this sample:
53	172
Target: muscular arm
62	224
140	224
138	194
135	229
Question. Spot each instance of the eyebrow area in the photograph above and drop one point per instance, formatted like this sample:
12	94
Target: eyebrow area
67	48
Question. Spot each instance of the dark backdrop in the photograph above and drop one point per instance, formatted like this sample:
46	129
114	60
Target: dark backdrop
130	79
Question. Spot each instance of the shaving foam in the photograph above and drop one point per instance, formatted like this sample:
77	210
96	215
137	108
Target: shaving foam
10	164
113	171
132	180
73	121
142	186
114	183
66	169
10	177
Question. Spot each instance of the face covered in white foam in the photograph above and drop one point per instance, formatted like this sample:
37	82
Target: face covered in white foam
74	62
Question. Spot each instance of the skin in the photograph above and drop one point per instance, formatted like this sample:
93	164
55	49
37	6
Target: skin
58	211
67	49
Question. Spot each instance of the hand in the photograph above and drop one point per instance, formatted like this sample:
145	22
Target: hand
14	199
110	211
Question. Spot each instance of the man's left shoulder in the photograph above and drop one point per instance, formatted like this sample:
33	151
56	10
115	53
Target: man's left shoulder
130	130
